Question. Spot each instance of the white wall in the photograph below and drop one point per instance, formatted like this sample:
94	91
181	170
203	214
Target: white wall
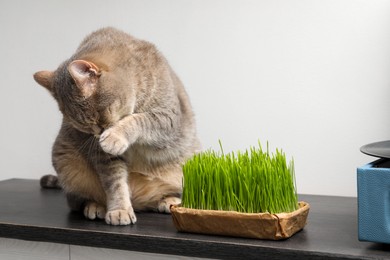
311	77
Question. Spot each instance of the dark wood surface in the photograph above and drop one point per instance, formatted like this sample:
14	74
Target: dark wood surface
31	213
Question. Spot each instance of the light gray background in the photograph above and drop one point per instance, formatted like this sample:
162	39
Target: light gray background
311	77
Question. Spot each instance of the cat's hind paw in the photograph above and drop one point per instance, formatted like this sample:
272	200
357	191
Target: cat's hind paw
92	210
121	217
164	206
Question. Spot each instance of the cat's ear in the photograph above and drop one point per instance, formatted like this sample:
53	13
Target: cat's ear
44	78
86	75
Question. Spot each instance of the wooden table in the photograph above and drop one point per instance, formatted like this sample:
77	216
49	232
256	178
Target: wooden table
28	212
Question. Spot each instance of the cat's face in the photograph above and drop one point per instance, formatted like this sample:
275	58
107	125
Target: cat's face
76	88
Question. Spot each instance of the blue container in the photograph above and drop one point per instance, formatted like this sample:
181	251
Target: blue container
373	182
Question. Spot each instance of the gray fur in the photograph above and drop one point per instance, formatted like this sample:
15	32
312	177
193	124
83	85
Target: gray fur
128	127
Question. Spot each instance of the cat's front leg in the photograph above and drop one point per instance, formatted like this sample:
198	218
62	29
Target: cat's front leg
113	141
114	178
119	208
147	128
116	139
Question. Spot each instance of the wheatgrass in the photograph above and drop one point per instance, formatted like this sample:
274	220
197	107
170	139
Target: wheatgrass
252	181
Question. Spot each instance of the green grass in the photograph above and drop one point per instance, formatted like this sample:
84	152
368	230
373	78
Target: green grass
252	181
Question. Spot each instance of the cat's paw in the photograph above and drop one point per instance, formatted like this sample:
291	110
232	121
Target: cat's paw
113	142
121	217
164	206
92	210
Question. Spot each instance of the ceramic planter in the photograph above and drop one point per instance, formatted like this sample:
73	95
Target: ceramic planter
373	182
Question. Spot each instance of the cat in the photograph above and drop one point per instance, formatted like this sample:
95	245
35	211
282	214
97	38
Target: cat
127	128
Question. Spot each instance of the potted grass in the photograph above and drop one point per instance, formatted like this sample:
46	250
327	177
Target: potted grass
245	194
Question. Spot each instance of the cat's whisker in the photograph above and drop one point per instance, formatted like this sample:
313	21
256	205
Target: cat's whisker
96	149
91	146
84	145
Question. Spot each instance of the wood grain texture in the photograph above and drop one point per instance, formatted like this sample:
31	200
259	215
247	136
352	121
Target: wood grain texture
14	249
30	213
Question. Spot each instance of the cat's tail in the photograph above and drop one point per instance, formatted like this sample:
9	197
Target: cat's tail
50	182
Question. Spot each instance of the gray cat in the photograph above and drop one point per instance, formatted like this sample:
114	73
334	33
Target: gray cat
127	128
